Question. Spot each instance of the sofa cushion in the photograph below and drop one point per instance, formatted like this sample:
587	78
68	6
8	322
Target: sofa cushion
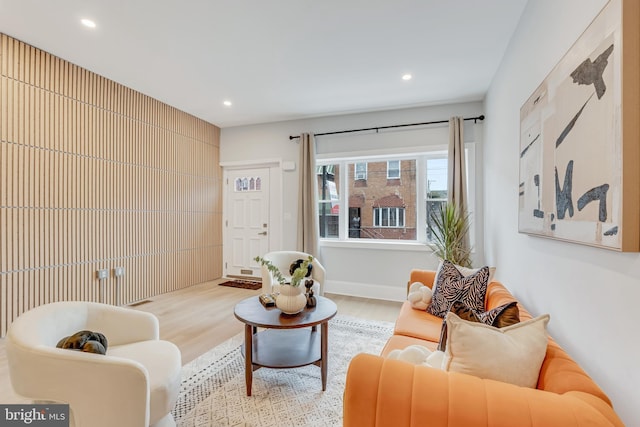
513	354
454	286
417	324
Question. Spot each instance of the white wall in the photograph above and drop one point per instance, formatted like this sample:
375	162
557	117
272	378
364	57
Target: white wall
353	270
592	294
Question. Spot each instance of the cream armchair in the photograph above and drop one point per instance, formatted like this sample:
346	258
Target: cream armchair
135	384
282	260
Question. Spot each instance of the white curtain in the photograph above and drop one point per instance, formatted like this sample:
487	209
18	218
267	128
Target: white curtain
457	179
308	228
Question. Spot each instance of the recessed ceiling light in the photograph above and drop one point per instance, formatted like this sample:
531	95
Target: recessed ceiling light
227	103
407	77
88	23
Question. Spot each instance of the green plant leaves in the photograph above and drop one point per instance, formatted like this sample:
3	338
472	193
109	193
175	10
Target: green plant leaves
449	227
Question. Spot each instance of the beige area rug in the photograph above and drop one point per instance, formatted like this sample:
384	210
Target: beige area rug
213	389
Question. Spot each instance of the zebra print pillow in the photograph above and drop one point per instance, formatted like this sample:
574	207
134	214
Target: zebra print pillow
453	286
505	315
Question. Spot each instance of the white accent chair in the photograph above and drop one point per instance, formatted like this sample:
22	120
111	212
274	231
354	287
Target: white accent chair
135	384
282	260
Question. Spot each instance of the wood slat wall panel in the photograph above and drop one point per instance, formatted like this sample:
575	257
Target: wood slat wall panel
96	175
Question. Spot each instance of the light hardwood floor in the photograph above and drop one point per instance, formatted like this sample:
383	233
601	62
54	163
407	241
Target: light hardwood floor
200	317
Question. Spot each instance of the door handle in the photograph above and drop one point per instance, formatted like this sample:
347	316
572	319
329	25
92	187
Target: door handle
264	233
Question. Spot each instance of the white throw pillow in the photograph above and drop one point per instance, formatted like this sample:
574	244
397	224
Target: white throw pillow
418	355
466	272
513	354
419	296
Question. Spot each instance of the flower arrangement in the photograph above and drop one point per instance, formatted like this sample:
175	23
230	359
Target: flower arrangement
298	270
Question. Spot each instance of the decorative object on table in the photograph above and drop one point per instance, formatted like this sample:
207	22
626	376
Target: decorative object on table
579	132
298	263
268	300
282	260
448	228
291	299
272	269
311	300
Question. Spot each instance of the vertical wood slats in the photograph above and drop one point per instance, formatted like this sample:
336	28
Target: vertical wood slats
96	175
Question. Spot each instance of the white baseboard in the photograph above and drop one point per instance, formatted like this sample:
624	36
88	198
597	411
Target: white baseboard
365	290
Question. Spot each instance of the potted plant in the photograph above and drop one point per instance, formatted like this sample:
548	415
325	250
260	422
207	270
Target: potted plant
291	299
449	228
297	274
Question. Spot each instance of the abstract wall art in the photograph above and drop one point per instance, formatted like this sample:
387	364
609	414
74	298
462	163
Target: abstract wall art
580	139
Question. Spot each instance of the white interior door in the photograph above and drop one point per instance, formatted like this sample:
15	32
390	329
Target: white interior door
247	223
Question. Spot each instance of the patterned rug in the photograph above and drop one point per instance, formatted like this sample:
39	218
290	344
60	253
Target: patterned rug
213	389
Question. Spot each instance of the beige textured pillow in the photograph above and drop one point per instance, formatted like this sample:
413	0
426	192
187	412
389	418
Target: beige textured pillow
513	354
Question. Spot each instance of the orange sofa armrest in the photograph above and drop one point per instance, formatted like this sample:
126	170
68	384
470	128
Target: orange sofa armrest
426	277
383	392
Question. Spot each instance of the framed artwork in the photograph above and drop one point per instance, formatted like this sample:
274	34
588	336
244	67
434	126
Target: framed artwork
580	139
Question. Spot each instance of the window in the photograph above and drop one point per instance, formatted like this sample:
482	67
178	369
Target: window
372	211
393	169
394	202
388	217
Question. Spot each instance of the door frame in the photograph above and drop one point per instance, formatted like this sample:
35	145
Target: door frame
275	203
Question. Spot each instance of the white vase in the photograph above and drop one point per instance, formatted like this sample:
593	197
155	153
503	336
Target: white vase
291	299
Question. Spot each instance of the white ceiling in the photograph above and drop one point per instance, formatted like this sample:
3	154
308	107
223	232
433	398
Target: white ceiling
278	59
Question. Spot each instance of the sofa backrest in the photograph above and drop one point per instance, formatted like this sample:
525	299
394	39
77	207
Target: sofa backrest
559	372
426	277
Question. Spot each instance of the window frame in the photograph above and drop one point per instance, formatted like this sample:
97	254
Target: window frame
399	217
357	177
399	169
420	244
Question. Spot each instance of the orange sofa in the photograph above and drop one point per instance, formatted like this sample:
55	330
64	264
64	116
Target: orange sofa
386	392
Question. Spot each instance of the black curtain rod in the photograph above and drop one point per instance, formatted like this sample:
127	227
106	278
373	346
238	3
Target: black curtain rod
475	120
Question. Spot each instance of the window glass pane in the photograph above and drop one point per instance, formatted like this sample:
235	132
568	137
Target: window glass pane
393	217
385	217
393	169
361	170
328	178
436	187
377	208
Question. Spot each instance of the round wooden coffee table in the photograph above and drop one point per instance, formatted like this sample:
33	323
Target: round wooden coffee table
289	340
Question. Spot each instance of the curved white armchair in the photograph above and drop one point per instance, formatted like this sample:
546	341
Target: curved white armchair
135	384
282	260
